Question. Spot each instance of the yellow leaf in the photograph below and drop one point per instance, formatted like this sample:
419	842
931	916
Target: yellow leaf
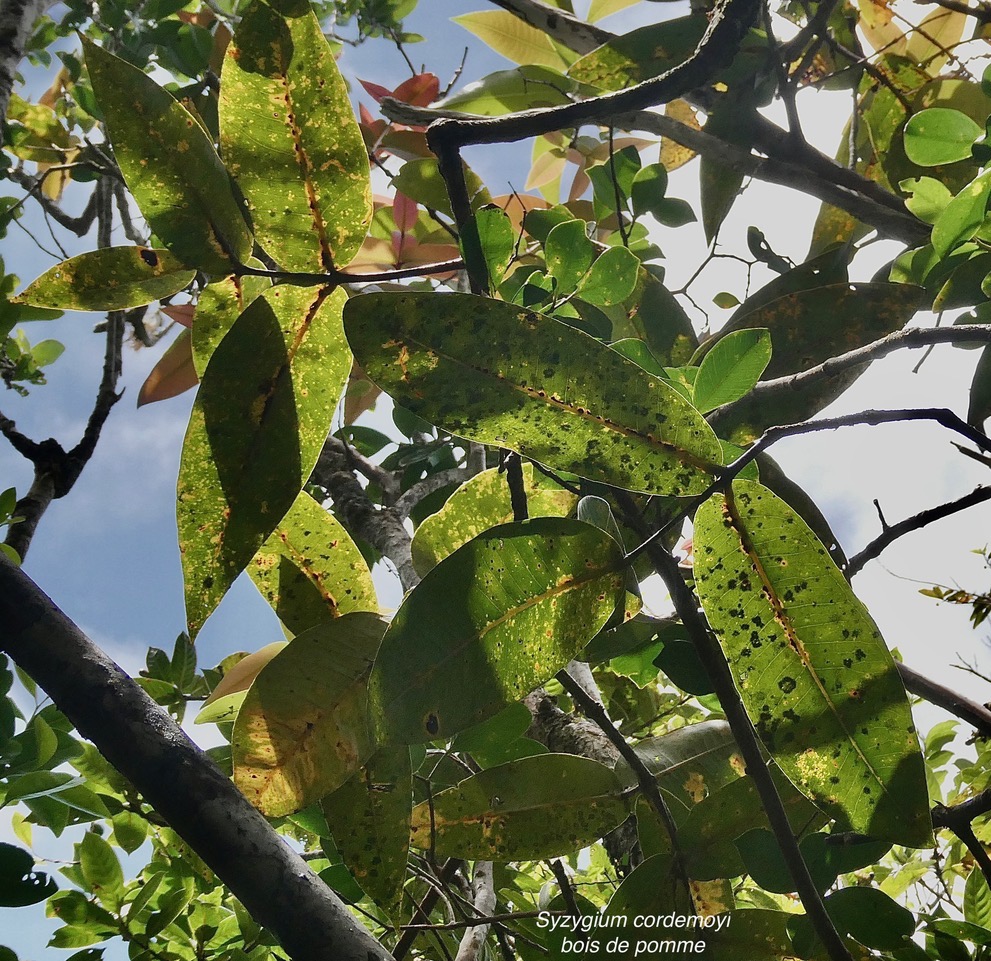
514	39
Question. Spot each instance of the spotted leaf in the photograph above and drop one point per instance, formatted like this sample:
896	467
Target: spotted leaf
302	730
490	622
534	807
170	165
499	374
291	139
814	672
261	416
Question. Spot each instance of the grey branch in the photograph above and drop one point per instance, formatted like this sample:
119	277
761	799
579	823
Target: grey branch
484	902
381	527
569	30
139	739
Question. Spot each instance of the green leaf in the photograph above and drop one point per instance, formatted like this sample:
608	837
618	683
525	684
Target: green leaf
977	899
569	254
731	368
260	419
811	666
501	614
291	139
508	91
962	216
939	136
495	373
220	304
497	239
481	503
928	197
109	279
871	917
513	38
130	830
611	278
640	55
101	869
20	884
170	166
310	570
421	180
370	818
302	730
649	187
536	807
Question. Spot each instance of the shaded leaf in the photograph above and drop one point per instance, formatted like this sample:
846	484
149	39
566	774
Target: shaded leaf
501	614
228	695
261	416
302	730
979	405
20	884
870	916
109	279
309	569
640	55
498	374
536	807
480	503
291	140
219	305
370	818
170	166
813	670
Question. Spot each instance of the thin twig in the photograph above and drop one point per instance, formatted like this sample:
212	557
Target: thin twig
891	532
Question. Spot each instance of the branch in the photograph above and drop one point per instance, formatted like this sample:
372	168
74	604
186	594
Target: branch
981	13
909	339
381	527
423	909
916	522
139	739
958	817
977	715
564	27
484	902
17	19
647	782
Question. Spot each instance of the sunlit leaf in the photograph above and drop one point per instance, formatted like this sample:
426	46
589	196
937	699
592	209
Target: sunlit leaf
536	807
731	368
109	279
291	139
309	569
261	416
481	503
369	816
170	166
513	38
495	373
939	135
491	621
302	730
228	695
963	215
813	670
508	91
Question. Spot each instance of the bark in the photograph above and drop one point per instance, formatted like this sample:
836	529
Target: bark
139	739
